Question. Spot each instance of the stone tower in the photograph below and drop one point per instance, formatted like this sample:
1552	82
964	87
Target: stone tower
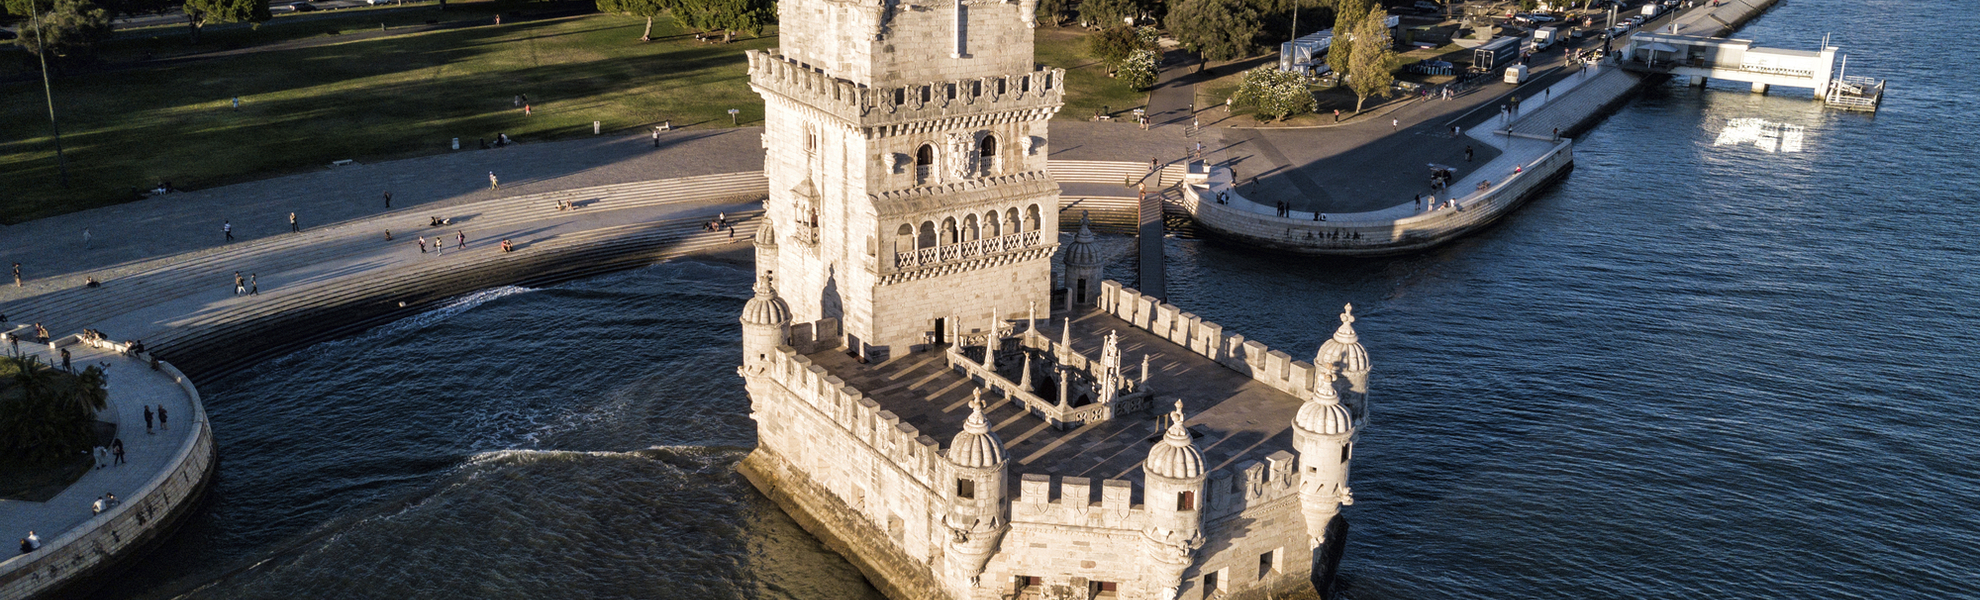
905	152
1323	433
1344	353
766	324
977	503
1082	266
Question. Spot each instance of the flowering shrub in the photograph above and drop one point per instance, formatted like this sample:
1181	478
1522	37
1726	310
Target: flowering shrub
1274	94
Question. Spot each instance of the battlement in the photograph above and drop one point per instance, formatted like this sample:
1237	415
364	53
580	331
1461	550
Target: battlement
975	102
1265	365
881	431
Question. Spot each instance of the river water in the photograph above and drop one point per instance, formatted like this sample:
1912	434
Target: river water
1689	370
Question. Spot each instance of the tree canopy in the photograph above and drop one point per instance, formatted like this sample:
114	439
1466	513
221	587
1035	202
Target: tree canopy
67	28
46	415
1374	58
1347	17
200	13
728	16
1108	13
639	8
1217	29
1274	94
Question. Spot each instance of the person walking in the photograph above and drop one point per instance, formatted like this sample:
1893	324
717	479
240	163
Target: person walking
438	244
1337	115
227	228
86	245
422	244
656	138
292	224
254	287
237	103
17	274
147	419
65	360
161	418
240	285
1467	153
1395	124
117	449
460	239
493	183
388	199
102	455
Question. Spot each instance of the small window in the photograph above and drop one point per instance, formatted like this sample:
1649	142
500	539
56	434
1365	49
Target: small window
1102	589
965	489
900	96
1186	501
951	90
924	94
1266	565
1347	452
1024	84
1210	581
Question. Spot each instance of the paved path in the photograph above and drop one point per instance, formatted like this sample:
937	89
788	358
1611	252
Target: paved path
133	385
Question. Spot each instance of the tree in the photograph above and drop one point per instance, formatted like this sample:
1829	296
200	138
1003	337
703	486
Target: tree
1216	29
638	8
66	28
1374	57
46	415
1054	12
1273	93
728	16
1138	71
200	13
1113	45
1347	16
1108	13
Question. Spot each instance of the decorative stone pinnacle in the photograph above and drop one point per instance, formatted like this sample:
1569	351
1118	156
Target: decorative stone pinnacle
1346	333
1347	314
764	288
1177	436
976	423
1323	389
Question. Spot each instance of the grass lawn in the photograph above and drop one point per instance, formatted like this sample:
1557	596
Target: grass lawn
1088	88
371	99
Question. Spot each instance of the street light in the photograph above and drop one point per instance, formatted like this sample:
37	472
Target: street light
48	90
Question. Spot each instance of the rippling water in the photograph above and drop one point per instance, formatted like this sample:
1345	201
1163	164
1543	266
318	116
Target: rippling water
1688	370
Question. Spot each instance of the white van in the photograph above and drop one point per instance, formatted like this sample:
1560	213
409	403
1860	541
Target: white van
1516	74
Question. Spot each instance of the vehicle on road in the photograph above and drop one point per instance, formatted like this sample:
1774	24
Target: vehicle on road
301	7
1516	74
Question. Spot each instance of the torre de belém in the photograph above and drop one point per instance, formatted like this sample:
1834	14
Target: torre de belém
935	407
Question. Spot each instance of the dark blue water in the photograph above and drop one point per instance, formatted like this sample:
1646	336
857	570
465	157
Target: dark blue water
1690	370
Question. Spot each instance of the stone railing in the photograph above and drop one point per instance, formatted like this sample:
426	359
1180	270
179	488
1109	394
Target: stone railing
1040	91
105	537
923	257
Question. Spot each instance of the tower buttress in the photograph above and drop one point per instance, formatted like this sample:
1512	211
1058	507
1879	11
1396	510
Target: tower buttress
1345	354
1173	494
976	517
1323	434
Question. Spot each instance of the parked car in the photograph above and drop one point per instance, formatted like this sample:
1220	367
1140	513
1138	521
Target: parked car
378	2
301	7
1540	18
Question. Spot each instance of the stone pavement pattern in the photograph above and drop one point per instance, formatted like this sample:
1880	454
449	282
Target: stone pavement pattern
133	385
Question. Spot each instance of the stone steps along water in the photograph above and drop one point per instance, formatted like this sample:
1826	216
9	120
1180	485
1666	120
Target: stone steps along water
65	310
585	252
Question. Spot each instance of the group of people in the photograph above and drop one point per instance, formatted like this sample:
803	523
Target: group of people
721	222
440	243
104	502
111	456
249	286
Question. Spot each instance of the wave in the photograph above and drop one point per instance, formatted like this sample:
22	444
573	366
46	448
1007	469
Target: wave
447	309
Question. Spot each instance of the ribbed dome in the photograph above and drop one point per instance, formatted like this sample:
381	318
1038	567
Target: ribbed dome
1323	413
1175	457
1345	348
1081	252
766	235
766	308
975	447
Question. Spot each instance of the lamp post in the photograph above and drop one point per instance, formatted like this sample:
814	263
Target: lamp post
48	91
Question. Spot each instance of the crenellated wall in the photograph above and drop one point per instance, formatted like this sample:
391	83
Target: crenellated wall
1268	366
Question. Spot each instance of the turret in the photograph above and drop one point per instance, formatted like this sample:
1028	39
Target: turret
1173	492
1323	433
1345	354
975	517
1082	266
766	324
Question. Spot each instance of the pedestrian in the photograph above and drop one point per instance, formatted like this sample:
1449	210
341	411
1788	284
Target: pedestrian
254	287
526	110
161	418
656	138
110	500
388	235
227	228
86	245
65	360
117	449
422	244
1467	153
1550	93
17	274
96	508
147	419
237	103
1419	202
102	455
31	542
460	238
1557	134
438	244
388	199
1337	115
240	285
1395	124
493	183
292	224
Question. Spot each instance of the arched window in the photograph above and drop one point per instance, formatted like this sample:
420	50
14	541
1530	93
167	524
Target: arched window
924	163
993	225
904	238
1031	220
927	238
1011	221
1186	501
986	155
970	231
948	231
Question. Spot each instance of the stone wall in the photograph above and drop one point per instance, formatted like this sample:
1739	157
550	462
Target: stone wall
106	539
1271	367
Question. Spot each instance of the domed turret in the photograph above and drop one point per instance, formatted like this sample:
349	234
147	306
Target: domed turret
766	248
1173	491
1082	265
1323	433
766	324
1175	456
1344	353
976	447
975	519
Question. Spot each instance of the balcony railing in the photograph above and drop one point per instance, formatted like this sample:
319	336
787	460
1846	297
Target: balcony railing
965	250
